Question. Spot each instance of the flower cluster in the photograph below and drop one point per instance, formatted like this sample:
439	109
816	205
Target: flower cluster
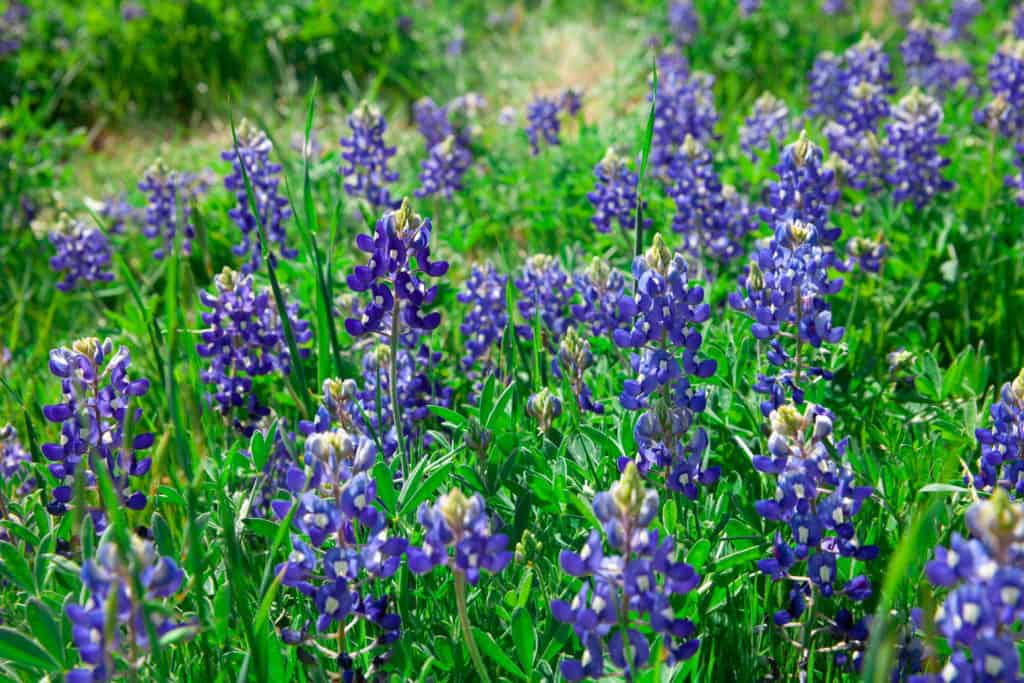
342	544
484	295
604	306
683	21
94	414
748	7
868	253
615	194
13	27
170	201
572	361
979	618
243	339
769	121
669	309
83	253
444	168
1002	446
633	582
462	524
545	294
1016	181
816	498
116	613
416	390
399	252
1004	113
911	150
543	121
961	16
928	69
826	86
702	216
254	153
863	103
684	106
14	460
116	212
788	279
365	157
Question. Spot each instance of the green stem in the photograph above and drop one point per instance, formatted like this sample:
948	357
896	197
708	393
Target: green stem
396	410
460	601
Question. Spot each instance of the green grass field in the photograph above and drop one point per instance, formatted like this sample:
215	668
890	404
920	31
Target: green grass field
295	492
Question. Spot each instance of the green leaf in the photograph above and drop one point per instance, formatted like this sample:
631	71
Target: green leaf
524	637
162	535
492	650
385	480
457	420
45	627
15	567
25	652
177	635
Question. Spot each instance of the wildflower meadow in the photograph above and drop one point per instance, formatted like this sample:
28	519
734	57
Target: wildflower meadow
559	340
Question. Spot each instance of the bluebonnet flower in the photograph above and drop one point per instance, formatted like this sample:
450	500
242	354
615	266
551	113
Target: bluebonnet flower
543	123
254	152
113	620
83	253
343	546
416	390
171	197
1004	113
805	190
684	106
834	7
961	16
980	615
487	314
457	43
669	311
868	253
462	524
683	21
749	7
244	339
116	212
95	413
826	84
768	121
544	407
738	219
615	194
457	118
15	461
701	216
1017	21
865	83
604	306
1016	181
788	280
431	121
13	27
398	290
365	157
931	71
911	150
545	293
816	500
631	583
1002	446
571	363
570	101
131	11
443	169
